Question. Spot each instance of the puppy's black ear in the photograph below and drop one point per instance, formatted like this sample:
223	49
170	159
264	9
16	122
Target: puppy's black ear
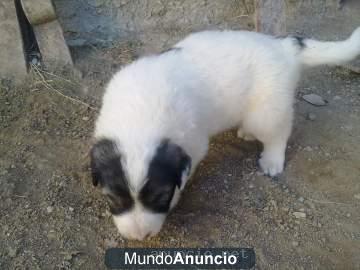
174	158
170	162
101	153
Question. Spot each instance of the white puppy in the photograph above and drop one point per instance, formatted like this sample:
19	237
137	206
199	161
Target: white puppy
159	112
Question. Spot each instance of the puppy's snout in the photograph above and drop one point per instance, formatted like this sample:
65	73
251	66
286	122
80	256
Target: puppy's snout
139	235
139	225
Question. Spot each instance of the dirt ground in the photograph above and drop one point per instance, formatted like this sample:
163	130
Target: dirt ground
51	217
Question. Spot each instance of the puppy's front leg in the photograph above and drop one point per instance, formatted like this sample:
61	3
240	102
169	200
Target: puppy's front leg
273	157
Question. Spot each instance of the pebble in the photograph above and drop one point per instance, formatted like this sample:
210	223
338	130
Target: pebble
301	199
12	252
295	243
314	99
357	196
85	118
336	98
311	116
308	148
348	215
299	215
251	186
71	209
49	209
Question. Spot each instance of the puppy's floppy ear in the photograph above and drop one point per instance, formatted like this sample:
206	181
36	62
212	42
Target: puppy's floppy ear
102	152
172	155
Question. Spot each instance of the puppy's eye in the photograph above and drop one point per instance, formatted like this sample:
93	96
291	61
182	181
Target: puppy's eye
157	198
119	204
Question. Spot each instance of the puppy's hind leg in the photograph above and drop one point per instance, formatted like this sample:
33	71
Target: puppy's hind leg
273	130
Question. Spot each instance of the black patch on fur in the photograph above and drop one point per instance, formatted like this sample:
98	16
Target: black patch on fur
107	172
173	49
300	41
164	175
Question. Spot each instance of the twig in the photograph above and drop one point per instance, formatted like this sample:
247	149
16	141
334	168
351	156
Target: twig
59	77
328	202
49	87
19	196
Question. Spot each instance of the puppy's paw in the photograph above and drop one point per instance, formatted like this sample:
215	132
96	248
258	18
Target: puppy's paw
245	136
271	166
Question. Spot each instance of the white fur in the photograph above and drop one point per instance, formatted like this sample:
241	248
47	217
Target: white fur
216	81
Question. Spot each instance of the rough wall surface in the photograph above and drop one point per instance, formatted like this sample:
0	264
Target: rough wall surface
12	59
151	21
323	19
326	19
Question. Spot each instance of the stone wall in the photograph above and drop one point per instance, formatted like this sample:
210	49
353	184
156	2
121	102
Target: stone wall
155	22
160	23
325	19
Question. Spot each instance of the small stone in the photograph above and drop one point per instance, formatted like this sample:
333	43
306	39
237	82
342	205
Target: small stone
357	196
71	209
274	204
13	166
308	148
12	252
348	215
336	98
85	118
311	116
314	99
251	186
299	215
49	209
295	243
301	199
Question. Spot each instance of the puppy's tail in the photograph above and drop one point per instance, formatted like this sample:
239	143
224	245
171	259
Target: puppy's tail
314	53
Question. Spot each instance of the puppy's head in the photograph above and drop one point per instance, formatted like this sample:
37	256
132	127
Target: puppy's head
139	208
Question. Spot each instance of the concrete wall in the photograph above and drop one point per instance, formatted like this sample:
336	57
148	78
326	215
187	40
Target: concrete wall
324	19
160	23
12	58
155	22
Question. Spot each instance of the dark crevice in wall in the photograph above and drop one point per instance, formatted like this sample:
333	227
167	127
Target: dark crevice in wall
30	45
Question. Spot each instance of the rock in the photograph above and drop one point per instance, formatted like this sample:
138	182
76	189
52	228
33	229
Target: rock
251	186
336	98
299	215
357	196
311	116
295	243
308	148
49	209
348	215
85	118
12	252
71	209
314	100
301	199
